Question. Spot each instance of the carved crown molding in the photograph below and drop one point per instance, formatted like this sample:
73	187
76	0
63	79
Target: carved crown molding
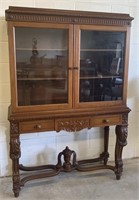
62	16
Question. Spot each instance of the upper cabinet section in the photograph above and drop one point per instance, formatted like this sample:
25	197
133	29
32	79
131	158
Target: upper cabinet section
67	59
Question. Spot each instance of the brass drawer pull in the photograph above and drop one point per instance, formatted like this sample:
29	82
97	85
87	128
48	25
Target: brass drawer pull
38	126
106	121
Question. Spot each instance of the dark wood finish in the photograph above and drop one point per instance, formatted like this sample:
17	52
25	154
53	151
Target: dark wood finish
73	115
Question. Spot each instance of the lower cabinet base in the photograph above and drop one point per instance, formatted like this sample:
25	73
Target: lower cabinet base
67	160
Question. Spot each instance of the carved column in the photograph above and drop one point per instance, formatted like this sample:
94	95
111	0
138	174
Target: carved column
15	154
121	141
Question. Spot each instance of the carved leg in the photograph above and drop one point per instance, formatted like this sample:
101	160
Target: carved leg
121	136
105	154
15	155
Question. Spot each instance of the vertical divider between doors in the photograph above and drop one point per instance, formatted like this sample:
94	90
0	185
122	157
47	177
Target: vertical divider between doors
76	65
70	67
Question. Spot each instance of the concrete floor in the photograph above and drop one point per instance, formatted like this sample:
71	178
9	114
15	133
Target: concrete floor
97	185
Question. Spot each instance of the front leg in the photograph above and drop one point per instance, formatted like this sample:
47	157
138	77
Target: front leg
15	154
121	141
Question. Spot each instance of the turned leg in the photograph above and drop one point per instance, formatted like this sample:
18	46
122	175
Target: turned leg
105	154
15	155
121	136
106	142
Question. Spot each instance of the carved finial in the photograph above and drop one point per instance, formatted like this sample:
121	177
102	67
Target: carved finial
67	165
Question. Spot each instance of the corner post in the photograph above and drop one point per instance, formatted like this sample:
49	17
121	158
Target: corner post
15	154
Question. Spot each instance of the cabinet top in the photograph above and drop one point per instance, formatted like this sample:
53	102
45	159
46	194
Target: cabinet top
66	16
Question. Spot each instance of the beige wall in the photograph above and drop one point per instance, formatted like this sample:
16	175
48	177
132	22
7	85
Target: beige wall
42	148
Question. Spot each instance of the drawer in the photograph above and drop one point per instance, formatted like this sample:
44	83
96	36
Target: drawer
36	126
106	120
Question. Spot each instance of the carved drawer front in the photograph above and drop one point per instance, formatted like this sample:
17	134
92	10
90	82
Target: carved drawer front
36	126
72	124
106	120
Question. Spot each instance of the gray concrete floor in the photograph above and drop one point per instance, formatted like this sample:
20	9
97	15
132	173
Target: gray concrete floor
97	185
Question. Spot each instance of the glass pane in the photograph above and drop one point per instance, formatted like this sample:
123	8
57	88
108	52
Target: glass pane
101	65
41	65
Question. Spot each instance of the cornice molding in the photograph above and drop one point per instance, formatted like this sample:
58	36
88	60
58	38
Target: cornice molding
62	16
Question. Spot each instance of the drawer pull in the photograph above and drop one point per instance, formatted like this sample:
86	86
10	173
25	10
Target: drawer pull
106	121
38	126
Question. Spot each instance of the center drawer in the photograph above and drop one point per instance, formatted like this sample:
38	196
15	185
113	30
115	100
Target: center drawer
36	126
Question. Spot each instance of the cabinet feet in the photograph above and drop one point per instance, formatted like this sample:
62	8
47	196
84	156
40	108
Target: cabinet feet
16	194
118	172
16	185
118	177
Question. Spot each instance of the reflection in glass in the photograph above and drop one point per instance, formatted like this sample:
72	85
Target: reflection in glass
41	64
101	65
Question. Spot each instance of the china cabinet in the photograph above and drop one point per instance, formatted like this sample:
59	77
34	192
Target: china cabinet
68	71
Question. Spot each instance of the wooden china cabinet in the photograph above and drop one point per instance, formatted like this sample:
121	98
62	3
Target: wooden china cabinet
68	71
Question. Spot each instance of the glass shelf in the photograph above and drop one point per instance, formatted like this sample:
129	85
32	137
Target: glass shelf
30	49
96	50
40	79
99	77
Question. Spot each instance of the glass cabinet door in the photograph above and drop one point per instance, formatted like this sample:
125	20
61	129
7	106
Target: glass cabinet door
101	65
42	63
